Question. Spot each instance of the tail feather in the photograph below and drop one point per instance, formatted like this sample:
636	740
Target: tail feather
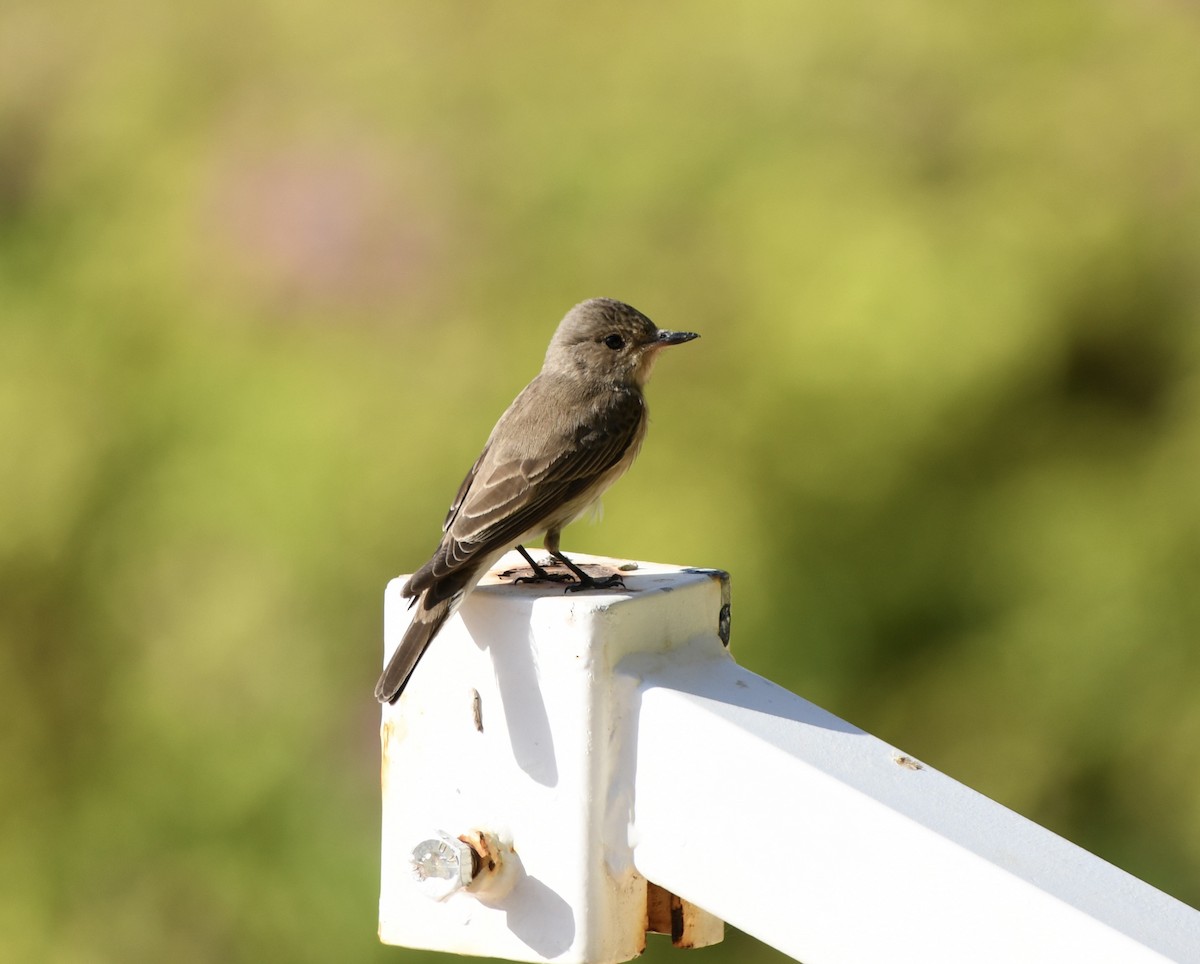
422	629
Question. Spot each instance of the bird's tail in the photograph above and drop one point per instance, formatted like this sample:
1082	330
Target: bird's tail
427	620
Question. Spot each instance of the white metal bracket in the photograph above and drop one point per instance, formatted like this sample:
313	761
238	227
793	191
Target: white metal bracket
556	753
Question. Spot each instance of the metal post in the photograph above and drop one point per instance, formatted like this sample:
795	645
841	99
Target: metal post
507	770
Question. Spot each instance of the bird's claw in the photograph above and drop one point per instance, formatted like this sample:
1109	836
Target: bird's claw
544	577
608	582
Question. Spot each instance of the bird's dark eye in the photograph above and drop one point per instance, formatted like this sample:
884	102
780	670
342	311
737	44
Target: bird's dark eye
615	342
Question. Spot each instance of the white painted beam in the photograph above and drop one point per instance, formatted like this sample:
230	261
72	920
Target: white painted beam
837	848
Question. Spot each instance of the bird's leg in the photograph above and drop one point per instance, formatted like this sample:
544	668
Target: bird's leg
584	581
539	572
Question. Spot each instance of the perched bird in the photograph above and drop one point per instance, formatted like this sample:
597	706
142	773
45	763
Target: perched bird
569	435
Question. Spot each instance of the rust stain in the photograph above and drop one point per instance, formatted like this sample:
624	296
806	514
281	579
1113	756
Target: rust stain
386	731
483	856
658	909
477	710
677	922
688	925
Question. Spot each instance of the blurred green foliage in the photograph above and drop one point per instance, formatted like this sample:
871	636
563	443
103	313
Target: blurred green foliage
269	272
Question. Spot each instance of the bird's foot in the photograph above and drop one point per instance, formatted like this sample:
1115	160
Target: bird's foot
541	575
584	582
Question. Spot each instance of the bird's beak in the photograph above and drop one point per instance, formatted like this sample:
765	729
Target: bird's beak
674	337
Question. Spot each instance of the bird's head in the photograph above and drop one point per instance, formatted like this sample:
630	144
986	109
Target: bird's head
608	339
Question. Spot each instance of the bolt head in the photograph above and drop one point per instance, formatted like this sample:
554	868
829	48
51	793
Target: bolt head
442	865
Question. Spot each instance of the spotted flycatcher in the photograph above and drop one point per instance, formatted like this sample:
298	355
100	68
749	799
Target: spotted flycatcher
572	432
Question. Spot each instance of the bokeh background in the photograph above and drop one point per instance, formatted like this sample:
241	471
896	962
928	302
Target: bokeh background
270	271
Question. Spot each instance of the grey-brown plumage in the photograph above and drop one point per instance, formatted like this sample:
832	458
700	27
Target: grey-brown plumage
567	437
